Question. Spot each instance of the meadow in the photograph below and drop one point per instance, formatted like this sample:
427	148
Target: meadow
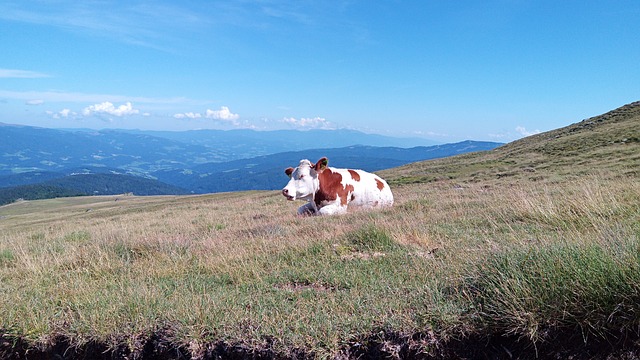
447	262
515	252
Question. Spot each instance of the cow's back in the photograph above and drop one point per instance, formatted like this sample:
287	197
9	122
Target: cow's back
369	190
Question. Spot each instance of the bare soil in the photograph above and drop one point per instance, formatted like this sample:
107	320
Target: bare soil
381	345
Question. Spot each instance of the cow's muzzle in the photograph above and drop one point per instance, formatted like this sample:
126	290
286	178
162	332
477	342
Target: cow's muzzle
285	192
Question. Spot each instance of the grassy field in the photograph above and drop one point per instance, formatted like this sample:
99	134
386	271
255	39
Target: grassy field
519	244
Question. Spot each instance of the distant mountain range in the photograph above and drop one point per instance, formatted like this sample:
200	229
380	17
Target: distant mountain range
158	162
267	172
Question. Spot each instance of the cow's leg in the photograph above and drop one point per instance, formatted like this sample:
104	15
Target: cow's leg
306	210
332	209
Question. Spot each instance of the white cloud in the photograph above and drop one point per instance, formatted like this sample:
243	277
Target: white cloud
313	123
188	115
35	102
108	108
64	113
21	74
524	132
223	114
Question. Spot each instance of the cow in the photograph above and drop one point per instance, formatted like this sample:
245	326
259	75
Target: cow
331	191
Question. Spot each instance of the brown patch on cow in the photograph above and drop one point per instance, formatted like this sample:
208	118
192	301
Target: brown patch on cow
380	184
354	175
331	188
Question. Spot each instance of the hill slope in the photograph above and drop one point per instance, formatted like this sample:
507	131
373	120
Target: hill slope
606	145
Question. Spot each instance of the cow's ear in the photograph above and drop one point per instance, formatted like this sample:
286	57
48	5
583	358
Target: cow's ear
321	164
288	171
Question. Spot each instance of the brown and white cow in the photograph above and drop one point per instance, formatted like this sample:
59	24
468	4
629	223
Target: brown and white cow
330	191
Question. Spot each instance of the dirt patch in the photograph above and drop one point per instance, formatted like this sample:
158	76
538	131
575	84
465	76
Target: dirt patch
301	286
156	346
362	255
379	345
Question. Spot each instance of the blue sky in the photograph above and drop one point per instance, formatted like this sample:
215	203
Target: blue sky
445	70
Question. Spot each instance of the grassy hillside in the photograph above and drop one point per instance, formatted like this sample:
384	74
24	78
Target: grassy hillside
523	251
607	145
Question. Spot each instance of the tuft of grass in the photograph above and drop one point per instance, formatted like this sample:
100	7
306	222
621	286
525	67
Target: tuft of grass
77	237
370	238
7	258
537	293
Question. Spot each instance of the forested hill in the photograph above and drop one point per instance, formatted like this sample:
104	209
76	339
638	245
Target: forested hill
88	184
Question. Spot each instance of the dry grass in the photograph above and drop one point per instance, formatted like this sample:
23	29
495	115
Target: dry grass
242	267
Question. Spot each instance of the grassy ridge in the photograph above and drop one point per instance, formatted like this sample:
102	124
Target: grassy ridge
607	145
473	255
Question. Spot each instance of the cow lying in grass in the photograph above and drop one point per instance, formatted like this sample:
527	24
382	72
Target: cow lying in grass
331	191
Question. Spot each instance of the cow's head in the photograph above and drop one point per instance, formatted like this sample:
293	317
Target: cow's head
304	179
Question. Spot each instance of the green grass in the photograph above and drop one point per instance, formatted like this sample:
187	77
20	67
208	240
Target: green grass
6	258
591	290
